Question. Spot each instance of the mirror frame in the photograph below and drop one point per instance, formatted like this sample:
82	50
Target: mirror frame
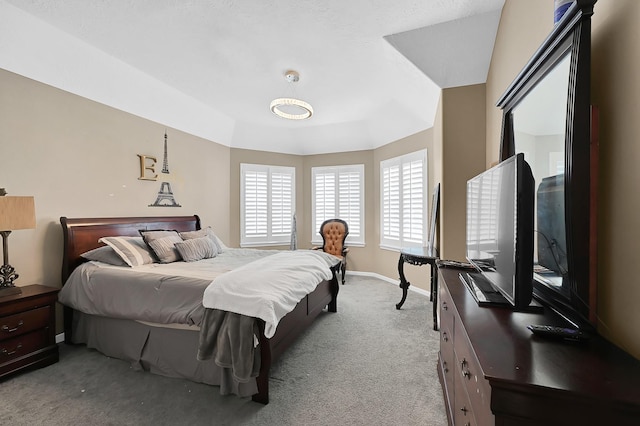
571	35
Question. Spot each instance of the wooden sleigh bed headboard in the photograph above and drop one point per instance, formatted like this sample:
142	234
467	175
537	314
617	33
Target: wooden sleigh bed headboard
82	234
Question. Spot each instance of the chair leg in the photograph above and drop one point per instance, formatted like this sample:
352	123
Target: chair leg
344	268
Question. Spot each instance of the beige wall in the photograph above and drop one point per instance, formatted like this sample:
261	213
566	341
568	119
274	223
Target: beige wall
463	153
614	90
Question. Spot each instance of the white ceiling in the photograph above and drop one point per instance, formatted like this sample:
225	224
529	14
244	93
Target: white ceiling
372	69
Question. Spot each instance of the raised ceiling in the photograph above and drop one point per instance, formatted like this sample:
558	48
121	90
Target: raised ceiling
371	69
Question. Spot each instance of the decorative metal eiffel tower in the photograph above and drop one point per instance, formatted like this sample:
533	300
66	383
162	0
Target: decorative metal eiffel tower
165	163
165	195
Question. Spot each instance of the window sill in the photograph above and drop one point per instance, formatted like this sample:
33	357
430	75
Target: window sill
347	244
265	244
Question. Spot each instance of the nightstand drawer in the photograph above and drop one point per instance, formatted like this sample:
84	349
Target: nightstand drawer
24	322
18	346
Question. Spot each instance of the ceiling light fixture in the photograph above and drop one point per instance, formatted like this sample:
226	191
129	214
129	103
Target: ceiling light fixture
291	108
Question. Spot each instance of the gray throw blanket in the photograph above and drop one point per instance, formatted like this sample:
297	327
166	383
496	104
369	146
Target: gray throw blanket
229	339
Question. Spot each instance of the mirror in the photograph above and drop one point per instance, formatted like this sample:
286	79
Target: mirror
547	116
539	133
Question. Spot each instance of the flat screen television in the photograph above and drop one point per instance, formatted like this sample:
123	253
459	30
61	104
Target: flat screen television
500	226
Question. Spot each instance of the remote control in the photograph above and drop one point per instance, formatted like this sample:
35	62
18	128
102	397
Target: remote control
455	264
556	332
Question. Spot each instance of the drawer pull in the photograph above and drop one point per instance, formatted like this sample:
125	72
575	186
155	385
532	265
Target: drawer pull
444	367
8	353
444	306
465	371
444	336
464	410
11	330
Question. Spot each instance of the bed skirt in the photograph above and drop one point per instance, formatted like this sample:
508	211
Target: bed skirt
170	352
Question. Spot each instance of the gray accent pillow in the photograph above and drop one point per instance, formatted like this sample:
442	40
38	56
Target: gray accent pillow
132	250
197	249
163	244
206	232
104	254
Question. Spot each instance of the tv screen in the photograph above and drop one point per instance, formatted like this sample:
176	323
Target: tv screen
500	224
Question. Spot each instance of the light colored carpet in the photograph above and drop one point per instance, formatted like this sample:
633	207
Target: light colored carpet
368	364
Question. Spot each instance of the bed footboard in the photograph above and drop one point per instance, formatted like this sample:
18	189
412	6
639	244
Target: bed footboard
290	327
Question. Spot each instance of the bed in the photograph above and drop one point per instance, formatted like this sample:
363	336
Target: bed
160	346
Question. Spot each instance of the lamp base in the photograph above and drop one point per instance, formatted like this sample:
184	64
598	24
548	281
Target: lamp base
9	291
7	275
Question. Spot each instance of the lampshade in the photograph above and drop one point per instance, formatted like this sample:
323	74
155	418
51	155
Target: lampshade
17	213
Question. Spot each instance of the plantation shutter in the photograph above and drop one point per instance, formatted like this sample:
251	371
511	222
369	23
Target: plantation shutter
338	192
267	204
403	201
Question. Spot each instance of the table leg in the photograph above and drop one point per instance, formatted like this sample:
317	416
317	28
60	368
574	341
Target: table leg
404	284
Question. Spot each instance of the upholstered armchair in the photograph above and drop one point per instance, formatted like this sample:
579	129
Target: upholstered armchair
334	232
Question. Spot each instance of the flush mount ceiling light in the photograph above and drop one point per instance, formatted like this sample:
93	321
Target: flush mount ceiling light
291	108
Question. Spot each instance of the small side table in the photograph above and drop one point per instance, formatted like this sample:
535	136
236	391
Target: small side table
420	256
27	329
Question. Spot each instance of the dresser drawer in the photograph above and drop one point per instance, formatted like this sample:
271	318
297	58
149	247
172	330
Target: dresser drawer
447	357
24	322
472	378
463	411
446	310
18	346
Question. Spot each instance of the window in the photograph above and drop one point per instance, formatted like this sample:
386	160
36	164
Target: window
403	201
338	192
267	203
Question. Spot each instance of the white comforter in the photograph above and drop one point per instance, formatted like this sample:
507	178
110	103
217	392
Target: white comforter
270	287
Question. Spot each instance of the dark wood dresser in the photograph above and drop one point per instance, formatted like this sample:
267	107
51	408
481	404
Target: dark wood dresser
27	329
494	371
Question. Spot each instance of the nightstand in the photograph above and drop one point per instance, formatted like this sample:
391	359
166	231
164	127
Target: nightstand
27	329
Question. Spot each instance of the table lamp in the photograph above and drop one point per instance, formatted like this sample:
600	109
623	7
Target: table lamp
15	213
